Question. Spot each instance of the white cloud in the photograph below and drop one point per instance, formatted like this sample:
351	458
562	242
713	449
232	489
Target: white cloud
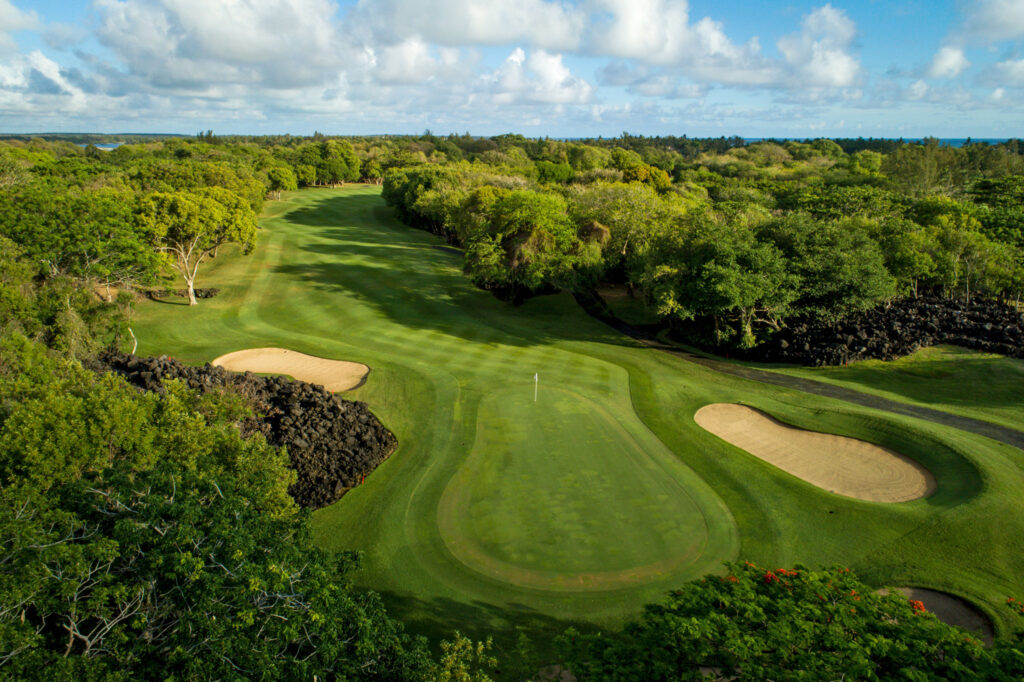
917	90
993	20
1010	72
13	19
414	62
540	78
948	62
195	43
659	32
549	25
818	55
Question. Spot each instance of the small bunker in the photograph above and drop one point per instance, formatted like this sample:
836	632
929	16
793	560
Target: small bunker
334	375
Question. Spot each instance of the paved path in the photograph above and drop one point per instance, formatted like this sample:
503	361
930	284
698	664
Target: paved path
1002	434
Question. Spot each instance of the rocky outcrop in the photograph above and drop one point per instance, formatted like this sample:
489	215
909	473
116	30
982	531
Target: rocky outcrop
333	443
892	331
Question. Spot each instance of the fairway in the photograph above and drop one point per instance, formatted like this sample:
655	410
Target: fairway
497	512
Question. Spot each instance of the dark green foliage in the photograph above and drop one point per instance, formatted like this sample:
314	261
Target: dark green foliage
839	268
554	172
528	241
777	624
720	271
145	539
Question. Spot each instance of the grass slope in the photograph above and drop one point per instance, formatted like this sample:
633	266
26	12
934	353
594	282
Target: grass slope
979	385
498	513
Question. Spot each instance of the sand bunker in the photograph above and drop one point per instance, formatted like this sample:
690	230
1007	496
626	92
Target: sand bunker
841	465
951	610
334	375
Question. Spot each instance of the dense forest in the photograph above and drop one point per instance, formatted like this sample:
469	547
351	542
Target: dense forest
145	538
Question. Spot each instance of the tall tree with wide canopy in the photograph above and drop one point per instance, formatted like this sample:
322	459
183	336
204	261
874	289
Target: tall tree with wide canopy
189	227
718	270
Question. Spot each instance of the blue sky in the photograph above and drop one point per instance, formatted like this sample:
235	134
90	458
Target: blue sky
540	67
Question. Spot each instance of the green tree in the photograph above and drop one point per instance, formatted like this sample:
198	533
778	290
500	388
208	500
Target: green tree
778	624
191	226
281	179
720	271
144	538
840	267
529	242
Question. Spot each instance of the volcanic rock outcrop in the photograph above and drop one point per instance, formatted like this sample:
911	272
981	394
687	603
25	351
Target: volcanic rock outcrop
333	443
889	332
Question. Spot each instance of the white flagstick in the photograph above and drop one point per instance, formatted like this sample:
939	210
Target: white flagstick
536	379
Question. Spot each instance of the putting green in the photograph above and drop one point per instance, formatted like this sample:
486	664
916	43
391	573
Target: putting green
544	519
497	513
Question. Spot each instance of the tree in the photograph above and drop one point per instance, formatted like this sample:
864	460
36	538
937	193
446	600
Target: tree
190	226
778	624
909	252
529	242
90	236
144	538
720	271
282	179
840	268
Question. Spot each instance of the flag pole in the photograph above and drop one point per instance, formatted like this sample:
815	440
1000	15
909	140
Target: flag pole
536	380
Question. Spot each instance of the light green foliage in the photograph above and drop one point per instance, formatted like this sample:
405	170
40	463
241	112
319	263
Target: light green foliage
633	212
464	661
86	235
584	157
282	179
191	226
548	171
866	162
828	148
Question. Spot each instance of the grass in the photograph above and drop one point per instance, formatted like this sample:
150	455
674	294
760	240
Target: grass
967	382
499	514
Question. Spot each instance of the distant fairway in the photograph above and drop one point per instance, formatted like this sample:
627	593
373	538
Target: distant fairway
974	384
497	512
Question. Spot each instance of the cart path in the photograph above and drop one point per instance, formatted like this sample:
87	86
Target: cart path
996	432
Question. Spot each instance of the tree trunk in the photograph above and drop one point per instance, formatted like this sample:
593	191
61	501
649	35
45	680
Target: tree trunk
191	293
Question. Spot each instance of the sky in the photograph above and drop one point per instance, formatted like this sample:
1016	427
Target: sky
772	68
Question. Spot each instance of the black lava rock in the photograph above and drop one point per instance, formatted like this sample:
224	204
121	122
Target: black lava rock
333	444
898	329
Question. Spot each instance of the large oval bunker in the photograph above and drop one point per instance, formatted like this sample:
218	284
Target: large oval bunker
845	466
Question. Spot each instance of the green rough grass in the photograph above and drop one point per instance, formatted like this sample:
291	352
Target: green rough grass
967	382
497	513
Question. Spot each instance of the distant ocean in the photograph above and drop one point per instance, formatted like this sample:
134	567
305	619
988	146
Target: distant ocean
106	146
945	141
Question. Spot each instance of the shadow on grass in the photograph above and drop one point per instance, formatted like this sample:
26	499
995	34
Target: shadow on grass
478	621
415	280
166	302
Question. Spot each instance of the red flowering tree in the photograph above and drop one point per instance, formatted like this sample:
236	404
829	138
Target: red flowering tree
758	623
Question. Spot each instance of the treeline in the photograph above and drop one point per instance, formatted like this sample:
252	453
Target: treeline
143	537
740	240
